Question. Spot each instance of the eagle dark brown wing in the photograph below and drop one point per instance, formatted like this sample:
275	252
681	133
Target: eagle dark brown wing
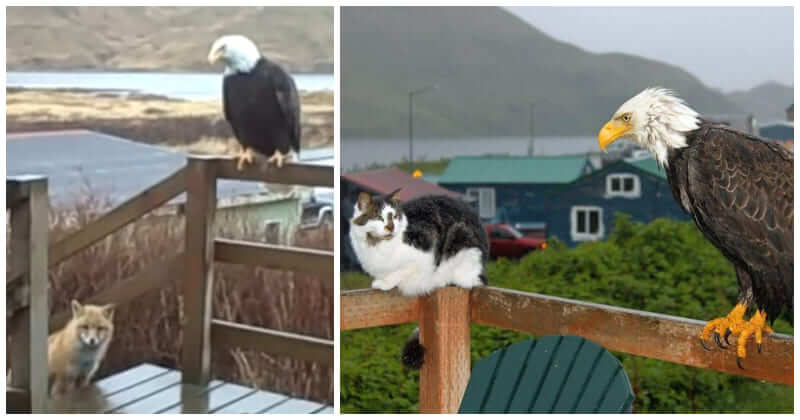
289	101
263	109
740	191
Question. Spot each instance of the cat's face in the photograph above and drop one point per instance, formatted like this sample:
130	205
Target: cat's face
380	216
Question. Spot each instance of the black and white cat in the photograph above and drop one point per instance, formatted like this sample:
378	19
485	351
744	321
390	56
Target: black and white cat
421	245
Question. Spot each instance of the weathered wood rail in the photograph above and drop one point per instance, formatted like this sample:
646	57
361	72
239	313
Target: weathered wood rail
194	268
444	318
26	198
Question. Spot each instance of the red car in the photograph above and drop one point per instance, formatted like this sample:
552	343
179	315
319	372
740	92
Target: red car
505	241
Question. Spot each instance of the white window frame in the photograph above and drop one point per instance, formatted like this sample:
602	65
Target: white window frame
266	224
586	236
487	201
637	185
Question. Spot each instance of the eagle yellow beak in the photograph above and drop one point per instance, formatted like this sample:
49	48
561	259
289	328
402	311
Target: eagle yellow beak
611	132
214	55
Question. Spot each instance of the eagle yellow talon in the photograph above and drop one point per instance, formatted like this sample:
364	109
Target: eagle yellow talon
756	326
245	157
734	324
277	158
723	326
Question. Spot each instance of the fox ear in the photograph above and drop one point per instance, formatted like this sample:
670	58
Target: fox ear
77	308
363	201
108	310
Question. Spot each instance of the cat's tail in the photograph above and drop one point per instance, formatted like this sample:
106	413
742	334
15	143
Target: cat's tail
413	351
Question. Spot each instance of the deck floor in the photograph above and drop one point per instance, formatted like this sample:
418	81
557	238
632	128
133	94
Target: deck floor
147	389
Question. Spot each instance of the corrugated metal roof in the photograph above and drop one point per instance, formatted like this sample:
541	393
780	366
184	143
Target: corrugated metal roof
513	170
384	181
650	166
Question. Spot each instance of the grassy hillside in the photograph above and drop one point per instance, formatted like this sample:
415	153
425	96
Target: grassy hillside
489	66
162	38
767	101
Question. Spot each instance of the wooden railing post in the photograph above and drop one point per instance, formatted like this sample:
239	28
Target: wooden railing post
444	331
29	327
198	279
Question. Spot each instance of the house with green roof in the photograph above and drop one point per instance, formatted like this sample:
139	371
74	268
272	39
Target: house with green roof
511	189
562	196
585	209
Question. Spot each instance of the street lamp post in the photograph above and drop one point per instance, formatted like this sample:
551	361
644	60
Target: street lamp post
530	141
411	120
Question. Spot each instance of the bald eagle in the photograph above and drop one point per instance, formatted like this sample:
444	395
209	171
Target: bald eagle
260	101
739	190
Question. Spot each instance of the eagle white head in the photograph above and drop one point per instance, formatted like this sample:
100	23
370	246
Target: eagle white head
237	52
655	119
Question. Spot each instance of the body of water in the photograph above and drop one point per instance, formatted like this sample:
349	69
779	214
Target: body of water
358	153
191	86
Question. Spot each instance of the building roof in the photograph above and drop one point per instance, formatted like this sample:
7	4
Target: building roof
777	130
649	165
514	170
384	181
777	123
81	161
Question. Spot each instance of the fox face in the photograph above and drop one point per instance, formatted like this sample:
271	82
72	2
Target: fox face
94	324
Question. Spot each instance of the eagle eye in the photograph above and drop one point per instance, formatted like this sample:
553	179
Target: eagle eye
626	117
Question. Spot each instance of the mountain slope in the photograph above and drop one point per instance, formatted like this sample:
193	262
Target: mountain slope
767	101
489	66
162	38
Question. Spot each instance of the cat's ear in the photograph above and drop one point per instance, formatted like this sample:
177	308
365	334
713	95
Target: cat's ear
363	201
395	195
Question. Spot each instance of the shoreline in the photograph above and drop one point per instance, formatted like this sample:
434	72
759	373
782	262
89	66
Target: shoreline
140	70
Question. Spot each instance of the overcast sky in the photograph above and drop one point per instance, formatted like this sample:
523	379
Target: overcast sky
728	48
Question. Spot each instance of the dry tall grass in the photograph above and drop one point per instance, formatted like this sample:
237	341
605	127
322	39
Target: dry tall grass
148	329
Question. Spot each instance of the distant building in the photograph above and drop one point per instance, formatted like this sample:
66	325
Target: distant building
743	122
782	131
563	196
584	210
379	181
511	189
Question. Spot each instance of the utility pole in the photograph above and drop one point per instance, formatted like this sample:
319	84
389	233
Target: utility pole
530	140
411	130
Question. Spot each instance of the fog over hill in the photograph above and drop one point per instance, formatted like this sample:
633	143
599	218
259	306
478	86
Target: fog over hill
768	101
489	66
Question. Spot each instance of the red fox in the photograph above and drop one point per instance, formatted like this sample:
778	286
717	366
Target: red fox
75	352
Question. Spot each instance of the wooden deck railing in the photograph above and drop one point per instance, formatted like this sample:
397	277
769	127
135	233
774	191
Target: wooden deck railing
200	330
26	198
194	266
444	318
